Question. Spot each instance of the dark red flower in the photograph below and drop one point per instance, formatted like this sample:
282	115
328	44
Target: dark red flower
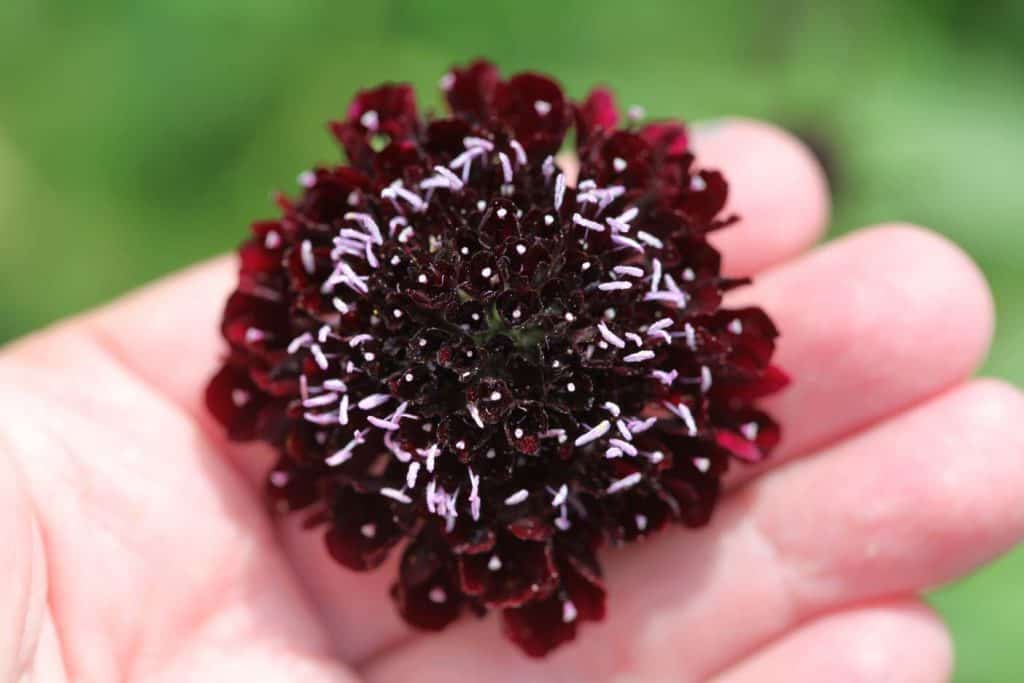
458	350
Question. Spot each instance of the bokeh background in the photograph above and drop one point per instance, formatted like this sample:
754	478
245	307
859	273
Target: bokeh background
137	137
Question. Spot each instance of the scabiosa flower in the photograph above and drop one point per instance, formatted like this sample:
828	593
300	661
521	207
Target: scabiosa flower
462	354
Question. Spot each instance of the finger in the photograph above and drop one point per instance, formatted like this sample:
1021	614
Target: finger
868	331
900	640
776	187
22	576
910	504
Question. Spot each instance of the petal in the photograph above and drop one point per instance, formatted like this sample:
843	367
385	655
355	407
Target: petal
470	90
596	114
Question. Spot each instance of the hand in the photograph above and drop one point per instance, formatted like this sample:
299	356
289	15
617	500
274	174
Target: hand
137	547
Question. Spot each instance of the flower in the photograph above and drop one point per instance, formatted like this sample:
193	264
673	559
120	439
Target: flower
458	350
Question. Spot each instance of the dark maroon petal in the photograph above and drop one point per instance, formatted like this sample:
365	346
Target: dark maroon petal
363	529
597	113
235	401
535	109
291	488
667	137
426	592
538	627
469	91
513	573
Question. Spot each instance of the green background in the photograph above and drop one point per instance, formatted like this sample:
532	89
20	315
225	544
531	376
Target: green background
136	137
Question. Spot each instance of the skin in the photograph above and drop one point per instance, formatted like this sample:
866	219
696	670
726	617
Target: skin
137	547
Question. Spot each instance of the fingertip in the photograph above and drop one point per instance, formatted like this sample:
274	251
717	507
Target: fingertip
777	187
933	256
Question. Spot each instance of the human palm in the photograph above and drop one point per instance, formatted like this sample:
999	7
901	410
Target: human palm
138	549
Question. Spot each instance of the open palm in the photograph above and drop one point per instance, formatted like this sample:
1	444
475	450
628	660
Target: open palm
136	546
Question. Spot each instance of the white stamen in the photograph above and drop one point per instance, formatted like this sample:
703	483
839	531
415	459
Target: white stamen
465	160
649	239
619	164
631	271
303	339
627	448
542	107
368	224
343	410
613	452
494	564
307	179
395	191
395	494
548	167
702	464
319	357
506	167
610	336
641	523
317	401
613	286
705	378
453	180
750	430
306	253
473	141
698	184
666	378
437	595
520	152
587	223
612	408
240	397
592	435
254	336
562	521
640	426
380	423
447	81
624	241
359	339
569	612
691	336
345	453
689	275
736	326
430	454
624	430
272	240
370	119
474	413
625	483
639	356
373	401
684	413
368	530
411	474
559	191
517	497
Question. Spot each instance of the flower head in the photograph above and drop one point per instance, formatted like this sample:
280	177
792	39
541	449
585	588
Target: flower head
458	348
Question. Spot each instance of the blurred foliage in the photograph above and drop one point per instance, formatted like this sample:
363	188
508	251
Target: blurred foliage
138	137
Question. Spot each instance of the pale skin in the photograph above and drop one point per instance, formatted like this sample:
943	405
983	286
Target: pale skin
136	546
